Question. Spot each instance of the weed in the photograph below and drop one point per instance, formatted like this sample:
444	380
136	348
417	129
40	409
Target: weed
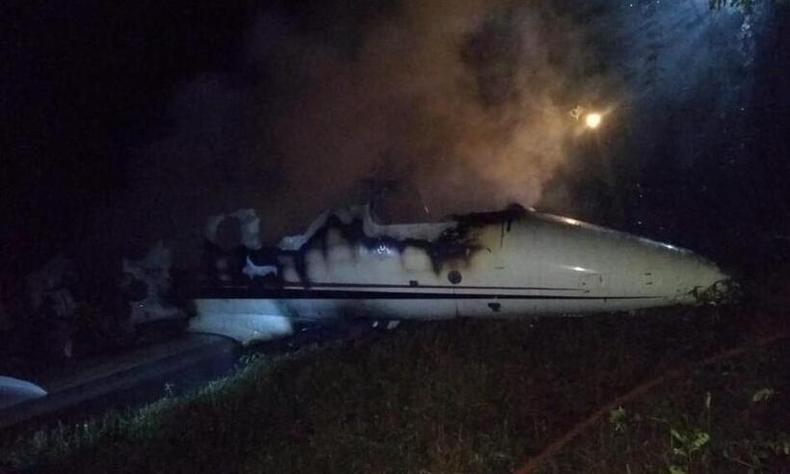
458	396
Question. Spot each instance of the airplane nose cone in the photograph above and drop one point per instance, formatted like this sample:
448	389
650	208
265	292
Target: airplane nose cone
680	275
697	280
715	287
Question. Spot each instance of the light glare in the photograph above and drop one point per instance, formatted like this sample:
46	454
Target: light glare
593	120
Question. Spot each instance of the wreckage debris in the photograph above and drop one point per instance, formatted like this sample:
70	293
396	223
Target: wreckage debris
50	289
146	283
229	239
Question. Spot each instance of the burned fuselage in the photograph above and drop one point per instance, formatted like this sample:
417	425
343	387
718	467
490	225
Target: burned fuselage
499	264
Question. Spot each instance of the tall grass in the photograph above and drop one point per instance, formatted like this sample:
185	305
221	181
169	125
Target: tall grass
456	396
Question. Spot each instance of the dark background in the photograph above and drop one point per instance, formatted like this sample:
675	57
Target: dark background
87	85
85	82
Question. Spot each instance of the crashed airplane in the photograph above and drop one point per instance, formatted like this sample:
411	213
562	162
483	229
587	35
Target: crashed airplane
510	263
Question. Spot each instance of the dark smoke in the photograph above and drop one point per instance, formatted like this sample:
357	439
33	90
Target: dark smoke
431	108
441	107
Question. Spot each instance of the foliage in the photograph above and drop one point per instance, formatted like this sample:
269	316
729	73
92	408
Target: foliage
459	396
759	454
686	445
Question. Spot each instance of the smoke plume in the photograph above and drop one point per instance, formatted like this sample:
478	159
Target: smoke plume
438	107
452	105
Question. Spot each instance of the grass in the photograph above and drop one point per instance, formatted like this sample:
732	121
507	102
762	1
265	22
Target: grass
461	396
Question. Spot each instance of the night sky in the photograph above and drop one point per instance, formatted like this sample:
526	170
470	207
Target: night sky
126	123
85	83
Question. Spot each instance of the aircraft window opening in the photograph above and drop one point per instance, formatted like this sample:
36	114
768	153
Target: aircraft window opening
454	277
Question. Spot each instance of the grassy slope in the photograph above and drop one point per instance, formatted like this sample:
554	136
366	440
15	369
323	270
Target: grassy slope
459	396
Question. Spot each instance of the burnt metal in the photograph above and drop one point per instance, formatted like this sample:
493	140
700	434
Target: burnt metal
455	245
454	277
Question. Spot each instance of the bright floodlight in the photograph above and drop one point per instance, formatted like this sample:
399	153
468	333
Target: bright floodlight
593	120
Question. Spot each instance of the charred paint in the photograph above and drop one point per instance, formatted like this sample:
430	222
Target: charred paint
455	246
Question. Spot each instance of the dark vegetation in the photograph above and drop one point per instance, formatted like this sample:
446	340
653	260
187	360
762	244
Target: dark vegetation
465	396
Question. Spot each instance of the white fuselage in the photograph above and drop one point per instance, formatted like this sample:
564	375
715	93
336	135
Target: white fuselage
495	265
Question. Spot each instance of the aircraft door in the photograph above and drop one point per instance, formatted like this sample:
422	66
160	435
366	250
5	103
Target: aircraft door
480	286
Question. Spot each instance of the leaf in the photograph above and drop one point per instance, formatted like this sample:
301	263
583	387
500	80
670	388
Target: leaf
763	395
618	414
618	419
700	440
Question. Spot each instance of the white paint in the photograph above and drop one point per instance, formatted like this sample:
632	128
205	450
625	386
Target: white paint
13	391
537	264
243	320
420	231
252	270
